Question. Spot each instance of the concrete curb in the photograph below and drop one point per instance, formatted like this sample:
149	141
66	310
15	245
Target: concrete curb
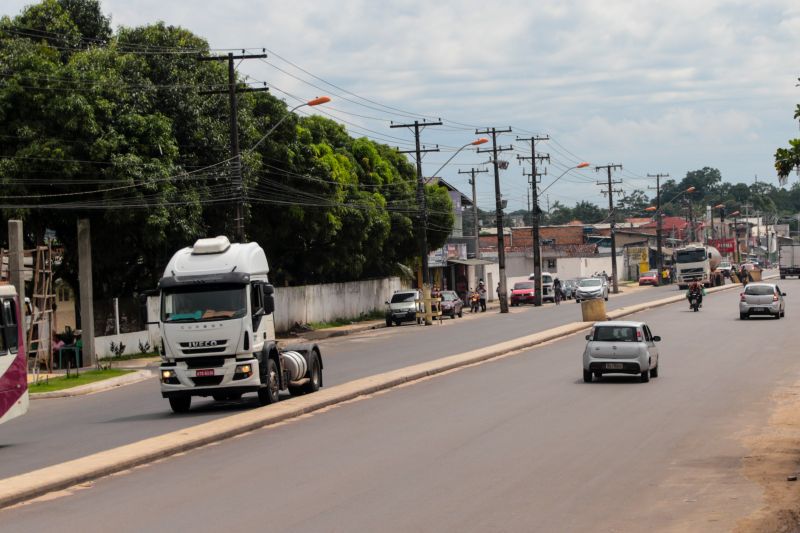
23	487
97	386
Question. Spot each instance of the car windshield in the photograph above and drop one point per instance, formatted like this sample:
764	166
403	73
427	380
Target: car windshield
524	285
649	273
690	256
759	290
197	303
400	297
614	334
724	264
448	297
590	283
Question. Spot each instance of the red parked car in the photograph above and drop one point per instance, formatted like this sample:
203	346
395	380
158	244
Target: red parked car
522	293
649	278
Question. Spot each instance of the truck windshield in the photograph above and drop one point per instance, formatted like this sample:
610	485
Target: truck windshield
690	256
198	303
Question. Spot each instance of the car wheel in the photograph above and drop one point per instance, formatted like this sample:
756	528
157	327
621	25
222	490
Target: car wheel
598	375
783	313
461	312
577	301
777	316
587	376
742	316
654	372
388	322
645	376
396	322
605	297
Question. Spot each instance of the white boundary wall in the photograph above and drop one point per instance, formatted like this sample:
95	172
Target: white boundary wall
331	301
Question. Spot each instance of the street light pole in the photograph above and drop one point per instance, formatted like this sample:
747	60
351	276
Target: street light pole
240	236
501	245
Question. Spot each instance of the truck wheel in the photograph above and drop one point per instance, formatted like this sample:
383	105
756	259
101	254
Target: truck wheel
269	394
314	375
180	404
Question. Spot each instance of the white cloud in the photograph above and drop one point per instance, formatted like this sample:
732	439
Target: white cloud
662	85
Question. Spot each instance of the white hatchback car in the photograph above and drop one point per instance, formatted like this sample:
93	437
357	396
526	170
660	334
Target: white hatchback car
762	299
590	288
621	347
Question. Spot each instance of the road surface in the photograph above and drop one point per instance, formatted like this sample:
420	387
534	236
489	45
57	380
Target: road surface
515	444
62	429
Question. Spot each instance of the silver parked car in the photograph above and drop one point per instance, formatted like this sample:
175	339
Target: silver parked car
590	288
762	299
621	347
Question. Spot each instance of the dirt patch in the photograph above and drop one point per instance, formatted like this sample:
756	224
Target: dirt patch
774	456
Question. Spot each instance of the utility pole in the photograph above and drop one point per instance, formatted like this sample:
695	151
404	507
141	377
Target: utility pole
234	127
610	193
417	127
535	212
472	172
747	229
501	246
659	222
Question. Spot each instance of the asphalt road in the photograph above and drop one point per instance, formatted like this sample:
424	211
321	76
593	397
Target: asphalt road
57	430
515	444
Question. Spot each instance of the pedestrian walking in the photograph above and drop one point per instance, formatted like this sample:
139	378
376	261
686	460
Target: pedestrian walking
482	294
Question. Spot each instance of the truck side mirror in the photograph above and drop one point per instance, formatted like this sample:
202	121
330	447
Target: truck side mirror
269	298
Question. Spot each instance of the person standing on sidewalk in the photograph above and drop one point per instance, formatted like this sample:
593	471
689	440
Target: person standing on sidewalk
482	294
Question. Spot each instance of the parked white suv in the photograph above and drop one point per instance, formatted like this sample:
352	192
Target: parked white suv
547	286
403	307
620	347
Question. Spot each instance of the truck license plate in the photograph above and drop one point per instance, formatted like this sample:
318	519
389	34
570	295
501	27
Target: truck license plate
205	372
613	366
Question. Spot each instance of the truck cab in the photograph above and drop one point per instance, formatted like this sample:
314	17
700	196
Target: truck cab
218	332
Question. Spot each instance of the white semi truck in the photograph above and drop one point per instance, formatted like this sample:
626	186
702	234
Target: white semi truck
218	332
789	260
698	262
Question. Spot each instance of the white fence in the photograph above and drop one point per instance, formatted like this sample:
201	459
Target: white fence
331	301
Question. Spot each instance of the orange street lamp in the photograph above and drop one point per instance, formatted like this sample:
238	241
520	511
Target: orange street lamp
476	142
311	103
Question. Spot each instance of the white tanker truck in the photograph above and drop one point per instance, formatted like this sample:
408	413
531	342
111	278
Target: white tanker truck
217	329
698	262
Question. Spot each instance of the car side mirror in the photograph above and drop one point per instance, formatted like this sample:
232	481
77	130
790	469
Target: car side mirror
588	337
387	302
783	294
656	338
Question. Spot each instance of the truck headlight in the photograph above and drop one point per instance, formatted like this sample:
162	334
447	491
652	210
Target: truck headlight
243	371
169	377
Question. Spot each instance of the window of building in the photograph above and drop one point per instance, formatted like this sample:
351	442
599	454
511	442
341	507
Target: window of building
551	265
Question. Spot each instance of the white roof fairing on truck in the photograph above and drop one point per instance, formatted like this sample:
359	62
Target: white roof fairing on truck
245	258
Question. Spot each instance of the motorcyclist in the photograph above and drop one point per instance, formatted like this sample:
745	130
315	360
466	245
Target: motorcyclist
474	299
696	290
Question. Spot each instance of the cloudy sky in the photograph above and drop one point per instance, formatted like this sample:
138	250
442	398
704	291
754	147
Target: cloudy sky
657	86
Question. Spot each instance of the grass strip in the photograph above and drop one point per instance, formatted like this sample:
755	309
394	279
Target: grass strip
64	382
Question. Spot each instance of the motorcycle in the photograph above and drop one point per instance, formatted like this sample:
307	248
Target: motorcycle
474	302
694	302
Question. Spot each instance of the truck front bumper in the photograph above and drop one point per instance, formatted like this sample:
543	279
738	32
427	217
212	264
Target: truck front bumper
178	379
